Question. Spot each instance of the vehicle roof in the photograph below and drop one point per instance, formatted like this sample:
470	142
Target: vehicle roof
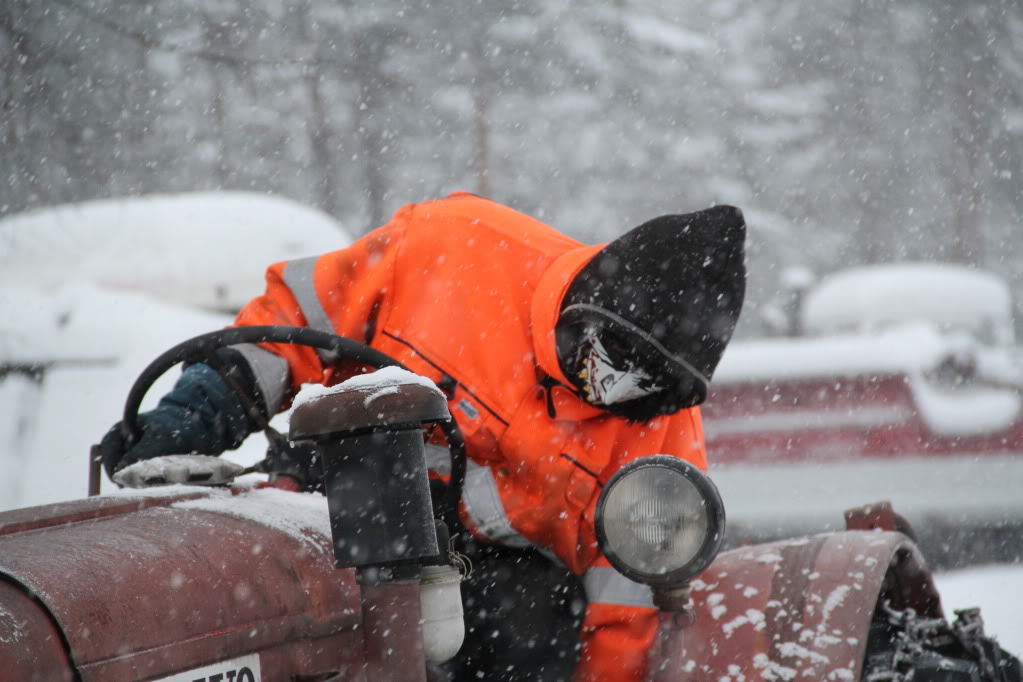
869	298
202	249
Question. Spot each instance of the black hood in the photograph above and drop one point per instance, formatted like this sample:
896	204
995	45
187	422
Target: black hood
673	287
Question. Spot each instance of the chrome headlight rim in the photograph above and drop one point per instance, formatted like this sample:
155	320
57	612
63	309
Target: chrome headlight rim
713	538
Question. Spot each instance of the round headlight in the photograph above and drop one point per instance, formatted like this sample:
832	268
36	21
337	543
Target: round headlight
660	521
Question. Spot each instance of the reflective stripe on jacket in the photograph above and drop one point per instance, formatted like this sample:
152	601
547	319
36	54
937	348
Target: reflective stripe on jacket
466	292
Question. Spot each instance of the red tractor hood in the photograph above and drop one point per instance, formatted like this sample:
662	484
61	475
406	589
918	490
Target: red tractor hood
145	587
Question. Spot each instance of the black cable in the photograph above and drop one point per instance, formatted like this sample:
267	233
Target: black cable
202	347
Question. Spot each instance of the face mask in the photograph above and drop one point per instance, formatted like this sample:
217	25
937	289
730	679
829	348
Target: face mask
607	380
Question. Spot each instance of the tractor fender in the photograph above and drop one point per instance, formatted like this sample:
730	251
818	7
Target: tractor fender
125	588
31	646
794	609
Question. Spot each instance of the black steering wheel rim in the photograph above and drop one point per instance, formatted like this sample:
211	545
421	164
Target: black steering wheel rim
201	348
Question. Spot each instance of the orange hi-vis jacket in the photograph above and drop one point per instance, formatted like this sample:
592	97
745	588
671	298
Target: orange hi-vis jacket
466	292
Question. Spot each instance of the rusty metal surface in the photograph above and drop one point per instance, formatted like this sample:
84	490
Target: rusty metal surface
393	635
797	609
31	648
142	590
879	516
95	469
63	513
370	406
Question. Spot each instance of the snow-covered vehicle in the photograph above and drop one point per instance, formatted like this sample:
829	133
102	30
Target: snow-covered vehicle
91	292
239	583
906	384
204	250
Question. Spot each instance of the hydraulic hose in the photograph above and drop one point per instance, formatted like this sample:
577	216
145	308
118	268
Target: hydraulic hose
202	347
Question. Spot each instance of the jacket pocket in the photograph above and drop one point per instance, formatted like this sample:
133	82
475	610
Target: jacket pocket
582	485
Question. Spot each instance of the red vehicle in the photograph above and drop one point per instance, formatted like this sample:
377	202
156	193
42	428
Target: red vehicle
903	384
246	583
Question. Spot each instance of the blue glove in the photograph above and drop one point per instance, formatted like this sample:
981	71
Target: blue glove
200	416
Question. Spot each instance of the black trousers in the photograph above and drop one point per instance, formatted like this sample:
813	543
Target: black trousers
522	617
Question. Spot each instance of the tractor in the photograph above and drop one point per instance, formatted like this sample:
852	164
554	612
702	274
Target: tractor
339	567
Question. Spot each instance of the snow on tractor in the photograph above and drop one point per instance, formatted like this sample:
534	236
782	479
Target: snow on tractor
186	575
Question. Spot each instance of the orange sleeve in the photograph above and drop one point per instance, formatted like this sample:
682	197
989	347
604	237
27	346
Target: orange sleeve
344	291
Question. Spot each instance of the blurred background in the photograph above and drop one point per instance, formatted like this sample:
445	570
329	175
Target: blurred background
858	132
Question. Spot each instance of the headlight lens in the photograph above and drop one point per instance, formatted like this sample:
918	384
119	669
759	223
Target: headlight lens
660	521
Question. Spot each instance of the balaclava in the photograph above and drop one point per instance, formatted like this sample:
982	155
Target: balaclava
644	324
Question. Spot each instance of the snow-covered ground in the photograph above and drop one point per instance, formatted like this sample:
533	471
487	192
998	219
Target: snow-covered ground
998	591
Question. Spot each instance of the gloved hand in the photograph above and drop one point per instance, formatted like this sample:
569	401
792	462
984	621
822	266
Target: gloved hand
200	416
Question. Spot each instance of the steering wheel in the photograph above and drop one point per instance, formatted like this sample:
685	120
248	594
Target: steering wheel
202	348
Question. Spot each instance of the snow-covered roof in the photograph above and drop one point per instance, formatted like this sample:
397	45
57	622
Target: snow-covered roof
911	348
870	298
205	249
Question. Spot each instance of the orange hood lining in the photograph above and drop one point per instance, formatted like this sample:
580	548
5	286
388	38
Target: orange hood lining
546	306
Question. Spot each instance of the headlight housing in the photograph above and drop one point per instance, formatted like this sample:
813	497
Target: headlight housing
660	521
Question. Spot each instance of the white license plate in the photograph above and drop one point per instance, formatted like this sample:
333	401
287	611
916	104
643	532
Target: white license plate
243	669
